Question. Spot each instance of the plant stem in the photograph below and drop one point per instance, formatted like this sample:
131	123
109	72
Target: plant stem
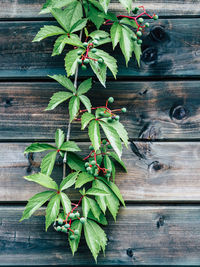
69	124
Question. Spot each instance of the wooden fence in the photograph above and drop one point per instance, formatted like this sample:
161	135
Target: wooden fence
161	223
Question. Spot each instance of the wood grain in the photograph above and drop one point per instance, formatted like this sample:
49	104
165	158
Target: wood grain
30	8
156	172
143	235
156	110
170	50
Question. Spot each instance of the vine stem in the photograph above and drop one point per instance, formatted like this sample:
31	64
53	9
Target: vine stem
69	124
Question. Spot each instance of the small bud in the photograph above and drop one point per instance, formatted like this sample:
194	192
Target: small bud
104	142
124	110
79	53
147	24
117	117
111	99
93	162
87	164
64	230
83	67
139	42
85	44
58	228
76	232
110	120
95	42
139	33
67	225
140	20
72	237
77	214
93	50
86	61
71	215
135	10
60	221
91	148
88	169
134	38
109	146
100	60
82	220
80	61
155	17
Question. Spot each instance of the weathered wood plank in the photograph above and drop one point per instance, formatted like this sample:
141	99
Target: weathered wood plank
31	8
172	49
156	110
156	172
142	235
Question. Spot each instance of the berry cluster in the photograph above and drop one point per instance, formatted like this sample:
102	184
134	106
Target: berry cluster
85	59
62	225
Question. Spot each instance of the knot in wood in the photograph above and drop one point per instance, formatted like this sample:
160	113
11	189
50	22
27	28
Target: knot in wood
158	34
155	166
179	113
160	222
150	55
129	252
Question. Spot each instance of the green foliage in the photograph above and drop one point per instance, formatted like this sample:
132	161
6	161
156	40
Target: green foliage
94	175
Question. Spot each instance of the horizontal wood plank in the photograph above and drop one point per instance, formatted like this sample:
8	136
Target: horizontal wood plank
156	110
171	50
142	235
156	172
31	8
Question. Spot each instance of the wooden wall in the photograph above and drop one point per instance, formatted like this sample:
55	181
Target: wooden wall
161	224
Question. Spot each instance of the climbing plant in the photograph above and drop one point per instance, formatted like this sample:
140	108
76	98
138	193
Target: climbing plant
84	26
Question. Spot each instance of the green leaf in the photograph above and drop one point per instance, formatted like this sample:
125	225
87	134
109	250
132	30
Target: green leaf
59	138
76	225
113	137
69	16
94	134
79	25
70	146
105	4
75	162
126	43
54	4
66	203
64	81
115	33
114	188
74	106
127	4
85	206
93	15
137	51
52	210
99	34
84	87
114	156
110	61
111	200
48	31
101	200
107	163
71	61
129	22
94	207
102	219
48	163
42	179
59	45
95	237
83	178
99	69
35	203
96	192
119	127
86	102
57	99
69	181
39	147
85	119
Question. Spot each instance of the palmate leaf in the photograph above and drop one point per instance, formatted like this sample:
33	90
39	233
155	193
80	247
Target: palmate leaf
74	106
113	137
76	225
52	210
48	31
115	33
48	163
94	134
35	203
57	99
95	237
42	179
59	138
96	192
126	43
64	81
79	25
94	207
86	102
137	51
75	162
39	147
66	203
109	61
99	69
85	119
69	146
69	181
83	178
114	156
84	87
